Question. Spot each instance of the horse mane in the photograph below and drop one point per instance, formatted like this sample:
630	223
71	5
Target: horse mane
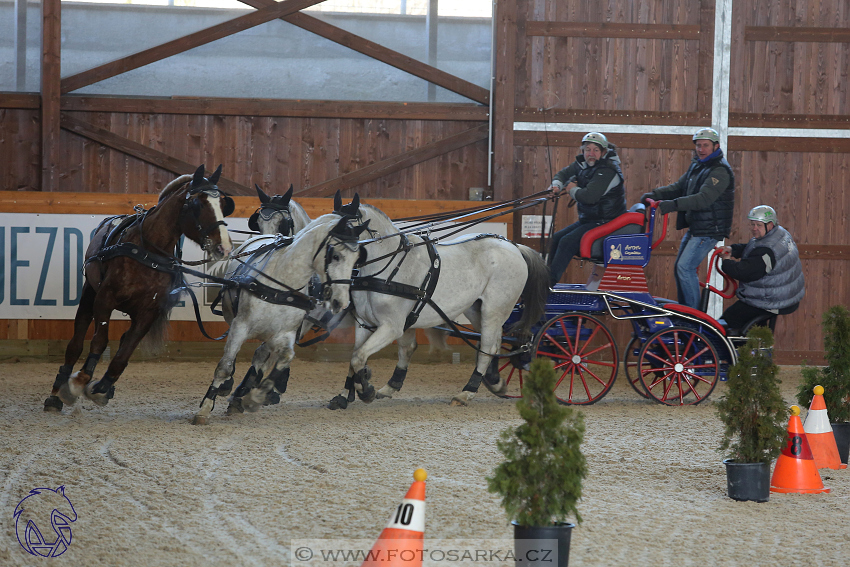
378	217
173	187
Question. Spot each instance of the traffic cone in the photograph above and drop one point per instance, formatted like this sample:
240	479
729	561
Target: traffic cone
401	542
795	468
819	433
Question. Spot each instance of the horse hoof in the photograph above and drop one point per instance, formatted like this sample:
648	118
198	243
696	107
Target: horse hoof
462	399
251	405
200	420
53	404
74	387
272	398
367	395
98	397
235	407
338	402
385	392
499	387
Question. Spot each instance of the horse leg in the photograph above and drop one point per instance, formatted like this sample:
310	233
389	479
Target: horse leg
80	380
101	391
250	381
270	373
359	374
82	321
223	371
486	368
406	347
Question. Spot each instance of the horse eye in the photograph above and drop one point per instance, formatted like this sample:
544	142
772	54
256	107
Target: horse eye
336	257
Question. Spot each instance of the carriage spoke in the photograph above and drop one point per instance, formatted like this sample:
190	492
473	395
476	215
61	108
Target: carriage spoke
688	366
587	342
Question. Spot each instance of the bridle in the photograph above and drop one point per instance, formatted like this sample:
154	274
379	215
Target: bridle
192	205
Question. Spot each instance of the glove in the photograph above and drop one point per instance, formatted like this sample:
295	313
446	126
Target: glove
645	196
667	207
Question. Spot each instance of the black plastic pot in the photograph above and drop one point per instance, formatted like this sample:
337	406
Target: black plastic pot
842	439
747	481
549	545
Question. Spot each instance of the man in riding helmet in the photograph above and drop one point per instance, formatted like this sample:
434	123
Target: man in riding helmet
704	198
769	271
595	181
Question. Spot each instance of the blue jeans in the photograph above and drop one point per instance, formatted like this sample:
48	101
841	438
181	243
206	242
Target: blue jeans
565	244
692	251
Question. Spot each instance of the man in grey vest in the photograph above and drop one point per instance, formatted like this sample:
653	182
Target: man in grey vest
769	271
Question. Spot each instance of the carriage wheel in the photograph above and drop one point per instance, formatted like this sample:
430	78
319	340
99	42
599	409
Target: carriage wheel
513	369
678	366
584	354
631	356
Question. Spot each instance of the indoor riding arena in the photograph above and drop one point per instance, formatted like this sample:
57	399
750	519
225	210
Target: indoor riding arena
226	226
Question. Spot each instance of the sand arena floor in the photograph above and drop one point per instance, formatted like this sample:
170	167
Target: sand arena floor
151	489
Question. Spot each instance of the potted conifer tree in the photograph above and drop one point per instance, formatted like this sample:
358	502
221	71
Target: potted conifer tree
541	477
754	416
835	378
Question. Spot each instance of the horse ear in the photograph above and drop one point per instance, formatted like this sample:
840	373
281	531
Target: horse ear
214	177
355	202
253	222
341	227
198	178
262	195
287	196
337	201
358	230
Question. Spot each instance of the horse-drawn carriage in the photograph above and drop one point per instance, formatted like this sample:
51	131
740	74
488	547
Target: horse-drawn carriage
676	354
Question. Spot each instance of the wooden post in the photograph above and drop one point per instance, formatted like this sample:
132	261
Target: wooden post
51	13
505	99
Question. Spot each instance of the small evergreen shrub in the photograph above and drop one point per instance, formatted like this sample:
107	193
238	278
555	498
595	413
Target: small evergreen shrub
835	377
540	479
753	411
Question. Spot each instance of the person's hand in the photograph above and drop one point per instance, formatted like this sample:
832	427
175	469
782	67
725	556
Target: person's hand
644	197
665	207
725	252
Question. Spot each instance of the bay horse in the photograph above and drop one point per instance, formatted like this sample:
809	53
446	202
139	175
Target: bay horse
406	279
266	302
132	264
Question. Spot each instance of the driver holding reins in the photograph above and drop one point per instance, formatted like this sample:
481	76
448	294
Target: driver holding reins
595	181
769	271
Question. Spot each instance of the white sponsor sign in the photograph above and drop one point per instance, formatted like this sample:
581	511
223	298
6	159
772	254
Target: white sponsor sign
531	225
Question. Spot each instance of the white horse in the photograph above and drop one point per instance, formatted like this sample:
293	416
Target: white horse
267	305
480	276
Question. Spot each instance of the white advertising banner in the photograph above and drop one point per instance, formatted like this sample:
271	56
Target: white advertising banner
41	259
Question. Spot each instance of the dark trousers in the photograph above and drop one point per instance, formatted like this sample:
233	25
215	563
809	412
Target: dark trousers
739	314
565	244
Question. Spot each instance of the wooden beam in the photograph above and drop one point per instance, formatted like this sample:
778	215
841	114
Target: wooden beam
277	108
143	152
584	115
797	34
383	54
396	163
782	144
507	52
20	100
765	120
606	30
272	11
631	141
51	40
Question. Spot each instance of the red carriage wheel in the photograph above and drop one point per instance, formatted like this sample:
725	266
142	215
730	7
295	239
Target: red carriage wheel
584	354
678	366
631	356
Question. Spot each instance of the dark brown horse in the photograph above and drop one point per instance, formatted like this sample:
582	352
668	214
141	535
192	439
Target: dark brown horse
131	265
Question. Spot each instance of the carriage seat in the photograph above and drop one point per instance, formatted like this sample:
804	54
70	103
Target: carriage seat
685	310
591	243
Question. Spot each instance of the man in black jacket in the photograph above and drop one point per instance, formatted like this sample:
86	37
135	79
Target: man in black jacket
769	271
595	181
704	198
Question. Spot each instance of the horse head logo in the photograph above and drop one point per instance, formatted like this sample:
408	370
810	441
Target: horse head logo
31	517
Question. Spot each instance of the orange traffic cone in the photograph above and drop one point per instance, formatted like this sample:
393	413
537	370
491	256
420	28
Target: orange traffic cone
795	468
819	433
401	542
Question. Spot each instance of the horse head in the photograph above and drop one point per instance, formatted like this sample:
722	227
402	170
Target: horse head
203	213
342	251
274	215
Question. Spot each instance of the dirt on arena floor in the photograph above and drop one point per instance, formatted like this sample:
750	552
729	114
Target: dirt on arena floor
151	489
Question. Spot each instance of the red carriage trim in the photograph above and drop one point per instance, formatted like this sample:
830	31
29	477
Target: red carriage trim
604	230
685	310
623	277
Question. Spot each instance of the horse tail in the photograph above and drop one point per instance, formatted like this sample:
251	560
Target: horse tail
534	294
153	343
